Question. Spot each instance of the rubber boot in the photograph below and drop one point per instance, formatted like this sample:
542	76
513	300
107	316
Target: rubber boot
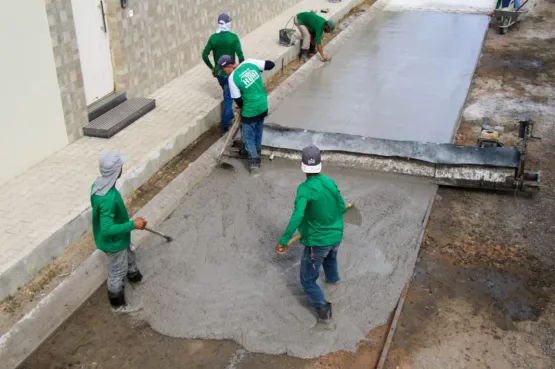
135	277
254	166
312	51
324	313
117	300
304	56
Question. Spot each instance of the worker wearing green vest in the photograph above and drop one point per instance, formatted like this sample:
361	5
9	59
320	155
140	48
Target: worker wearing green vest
247	90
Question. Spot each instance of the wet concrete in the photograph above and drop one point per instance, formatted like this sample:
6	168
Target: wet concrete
221	279
402	76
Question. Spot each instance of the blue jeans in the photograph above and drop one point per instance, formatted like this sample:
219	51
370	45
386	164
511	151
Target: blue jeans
506	3
227	112
312	259
252	138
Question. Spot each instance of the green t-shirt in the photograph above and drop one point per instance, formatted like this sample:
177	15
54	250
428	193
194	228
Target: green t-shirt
223	43
314	23
110	222
318	213
246	82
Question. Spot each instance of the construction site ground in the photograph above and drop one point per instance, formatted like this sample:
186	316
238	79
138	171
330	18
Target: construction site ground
483	291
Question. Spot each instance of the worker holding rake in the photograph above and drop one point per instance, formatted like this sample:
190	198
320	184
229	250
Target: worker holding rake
318	215
112	231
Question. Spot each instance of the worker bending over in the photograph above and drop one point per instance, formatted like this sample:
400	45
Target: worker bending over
312	26
223	42
247	90
318	215
112	230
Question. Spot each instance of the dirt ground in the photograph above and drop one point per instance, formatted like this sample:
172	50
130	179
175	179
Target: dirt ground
483	290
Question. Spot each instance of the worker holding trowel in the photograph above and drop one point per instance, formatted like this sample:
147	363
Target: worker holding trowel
318	215
112	230
312	27
247	90
223	42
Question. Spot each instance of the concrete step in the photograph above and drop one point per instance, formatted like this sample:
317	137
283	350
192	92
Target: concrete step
105	104
119	117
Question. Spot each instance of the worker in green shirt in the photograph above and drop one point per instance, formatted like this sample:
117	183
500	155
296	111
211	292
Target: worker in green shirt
312	26
223	42
112	230
247	90
318	215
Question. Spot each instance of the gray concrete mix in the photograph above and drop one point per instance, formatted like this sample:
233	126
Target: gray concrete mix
221	279
402	76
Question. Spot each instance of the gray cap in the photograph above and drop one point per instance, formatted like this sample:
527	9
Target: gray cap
312	160
224	18
225	60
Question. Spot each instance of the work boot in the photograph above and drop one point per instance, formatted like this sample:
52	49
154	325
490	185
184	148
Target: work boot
223	131
254	167
324	313
312	50
243	154
117	300
304	56
135	277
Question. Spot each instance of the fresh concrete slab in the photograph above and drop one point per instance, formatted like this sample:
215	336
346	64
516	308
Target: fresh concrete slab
444	6
401	76
221	279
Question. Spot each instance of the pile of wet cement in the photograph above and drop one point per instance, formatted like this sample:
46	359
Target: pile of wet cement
221	279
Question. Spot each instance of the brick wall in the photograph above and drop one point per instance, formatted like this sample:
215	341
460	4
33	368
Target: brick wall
68	67
164	38
161	41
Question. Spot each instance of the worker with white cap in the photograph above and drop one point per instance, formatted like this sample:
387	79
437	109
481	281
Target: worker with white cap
223	42
112	230
318	215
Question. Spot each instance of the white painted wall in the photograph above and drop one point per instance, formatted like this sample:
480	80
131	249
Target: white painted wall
32	123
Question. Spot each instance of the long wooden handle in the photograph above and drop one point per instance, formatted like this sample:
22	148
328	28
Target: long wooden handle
157	233
294	239
231	133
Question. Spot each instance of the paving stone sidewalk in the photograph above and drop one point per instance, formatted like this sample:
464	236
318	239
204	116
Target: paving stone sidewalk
45	209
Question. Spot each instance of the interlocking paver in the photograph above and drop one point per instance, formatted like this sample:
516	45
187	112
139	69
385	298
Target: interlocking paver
48	196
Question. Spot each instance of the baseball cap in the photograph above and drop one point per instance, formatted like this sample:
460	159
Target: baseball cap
331	25
224	18
311	160
225	60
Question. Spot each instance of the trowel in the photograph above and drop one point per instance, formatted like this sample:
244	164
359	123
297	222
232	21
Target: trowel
352	215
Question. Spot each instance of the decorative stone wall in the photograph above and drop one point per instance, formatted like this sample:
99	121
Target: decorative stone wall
68	67
164	38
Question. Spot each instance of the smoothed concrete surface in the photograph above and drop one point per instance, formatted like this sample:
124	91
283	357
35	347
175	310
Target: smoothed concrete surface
220	278
402	76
